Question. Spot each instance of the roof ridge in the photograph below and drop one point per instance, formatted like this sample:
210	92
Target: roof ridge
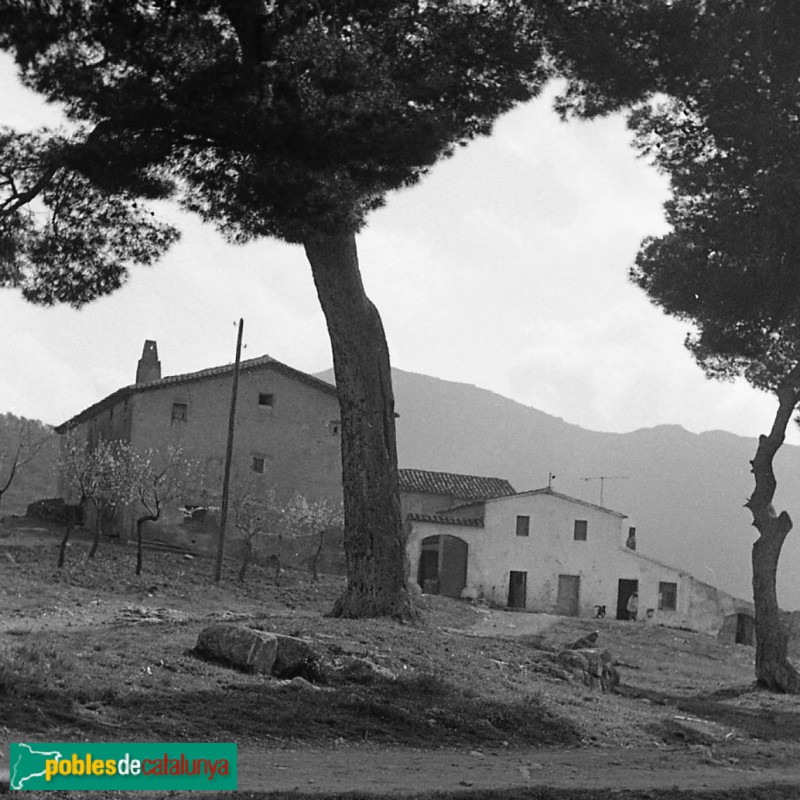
443	519
208	372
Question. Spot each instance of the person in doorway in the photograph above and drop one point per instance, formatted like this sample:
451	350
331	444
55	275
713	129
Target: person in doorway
633	605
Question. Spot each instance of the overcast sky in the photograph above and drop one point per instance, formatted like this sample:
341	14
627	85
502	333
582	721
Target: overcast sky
505	268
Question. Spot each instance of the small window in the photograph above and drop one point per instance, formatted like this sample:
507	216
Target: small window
667	596
523	526
258	464
265	400
179	412
581	529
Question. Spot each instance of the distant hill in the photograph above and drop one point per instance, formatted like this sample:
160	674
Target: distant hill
684	492
37	479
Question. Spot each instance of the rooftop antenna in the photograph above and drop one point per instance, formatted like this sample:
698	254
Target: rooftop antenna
603	479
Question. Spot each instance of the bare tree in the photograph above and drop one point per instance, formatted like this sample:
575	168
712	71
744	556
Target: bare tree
111	463
158	477
97	476
257	514
306	519
22	448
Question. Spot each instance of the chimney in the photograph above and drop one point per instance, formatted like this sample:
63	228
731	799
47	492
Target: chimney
631	543
149	367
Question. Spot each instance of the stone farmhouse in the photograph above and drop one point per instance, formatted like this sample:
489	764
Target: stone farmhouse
546	552
287	423
467	535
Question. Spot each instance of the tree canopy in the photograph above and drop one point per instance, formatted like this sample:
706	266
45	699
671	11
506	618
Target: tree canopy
282	118
721	119
713	84
266	118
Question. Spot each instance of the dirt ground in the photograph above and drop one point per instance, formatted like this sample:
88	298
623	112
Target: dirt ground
92	652
393	770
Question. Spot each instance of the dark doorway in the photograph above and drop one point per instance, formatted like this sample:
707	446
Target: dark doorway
428	575
626	589
569	592
745	629
453	566
443	565
517	589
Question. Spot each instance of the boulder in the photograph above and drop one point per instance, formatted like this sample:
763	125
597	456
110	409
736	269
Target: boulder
594	667
293	656
239	646
364	671
585	642
573	662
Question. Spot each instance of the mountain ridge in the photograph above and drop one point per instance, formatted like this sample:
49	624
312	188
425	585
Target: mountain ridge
683	491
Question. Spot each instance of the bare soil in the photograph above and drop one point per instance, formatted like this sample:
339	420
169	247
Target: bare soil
93	652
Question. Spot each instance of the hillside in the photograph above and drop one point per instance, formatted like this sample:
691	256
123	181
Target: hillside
470	696
683	492
37	479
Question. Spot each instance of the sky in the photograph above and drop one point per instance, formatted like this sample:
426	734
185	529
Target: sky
505	268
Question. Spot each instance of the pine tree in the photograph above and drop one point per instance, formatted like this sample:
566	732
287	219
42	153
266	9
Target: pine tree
267	118
726	131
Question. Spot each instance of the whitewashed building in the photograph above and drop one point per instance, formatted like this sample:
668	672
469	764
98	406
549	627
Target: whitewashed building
544	551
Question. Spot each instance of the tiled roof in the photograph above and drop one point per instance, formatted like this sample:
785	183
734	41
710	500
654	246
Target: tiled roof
440	519
250	365
463	487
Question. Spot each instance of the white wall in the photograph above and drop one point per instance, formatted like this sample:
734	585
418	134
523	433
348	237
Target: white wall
551	550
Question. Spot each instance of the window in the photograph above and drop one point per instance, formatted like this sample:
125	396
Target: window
258	464
581	529
179	412
523	526
667	596
265	400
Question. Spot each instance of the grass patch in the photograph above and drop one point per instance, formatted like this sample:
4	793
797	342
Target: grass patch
422	711
32	681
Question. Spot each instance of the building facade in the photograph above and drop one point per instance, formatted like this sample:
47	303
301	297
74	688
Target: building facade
287	431
546	552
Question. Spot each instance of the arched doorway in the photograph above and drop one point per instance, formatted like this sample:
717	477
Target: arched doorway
442	565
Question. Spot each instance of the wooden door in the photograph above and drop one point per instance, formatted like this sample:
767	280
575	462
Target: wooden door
569	591
517	589
453	566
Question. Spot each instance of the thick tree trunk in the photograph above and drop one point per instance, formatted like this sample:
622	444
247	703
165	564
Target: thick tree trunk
374	539
773	669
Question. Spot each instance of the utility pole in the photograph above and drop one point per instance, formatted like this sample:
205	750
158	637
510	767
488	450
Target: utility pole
226	480
603	479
